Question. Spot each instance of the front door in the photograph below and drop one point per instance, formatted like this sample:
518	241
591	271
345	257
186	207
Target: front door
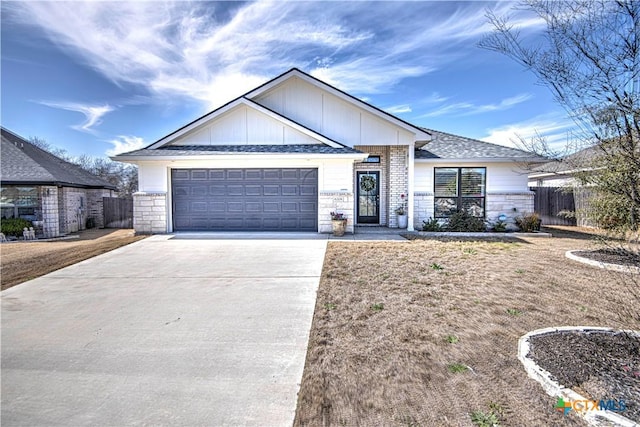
368	197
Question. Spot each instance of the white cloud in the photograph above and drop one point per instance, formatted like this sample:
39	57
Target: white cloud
398	109
468	108
124	144
92	113
212	52
556	129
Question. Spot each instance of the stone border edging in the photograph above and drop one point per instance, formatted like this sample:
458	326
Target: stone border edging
480	234
555	389
600	264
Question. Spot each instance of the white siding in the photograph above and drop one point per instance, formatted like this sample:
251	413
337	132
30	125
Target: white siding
332	116
244	125
334	175
501	177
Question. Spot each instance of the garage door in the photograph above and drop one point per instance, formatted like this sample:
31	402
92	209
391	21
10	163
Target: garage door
245	199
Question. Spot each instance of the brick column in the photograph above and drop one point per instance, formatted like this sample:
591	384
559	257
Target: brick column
397	180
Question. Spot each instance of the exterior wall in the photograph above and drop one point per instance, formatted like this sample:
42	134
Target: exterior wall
510	204
383	168
423	208
74	207
244	125
506	190
398	181
332	116
335	201
150	212
335	188
50	211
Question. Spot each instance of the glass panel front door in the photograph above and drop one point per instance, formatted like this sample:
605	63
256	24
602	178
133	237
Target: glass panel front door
368	197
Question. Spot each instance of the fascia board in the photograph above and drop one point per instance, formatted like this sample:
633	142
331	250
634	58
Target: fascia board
236	156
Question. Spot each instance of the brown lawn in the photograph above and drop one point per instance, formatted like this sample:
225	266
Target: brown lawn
394	319
21	261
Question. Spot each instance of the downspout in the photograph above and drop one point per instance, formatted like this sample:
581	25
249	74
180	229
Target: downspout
410	177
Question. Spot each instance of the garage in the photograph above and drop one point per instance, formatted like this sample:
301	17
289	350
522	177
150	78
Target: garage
283	199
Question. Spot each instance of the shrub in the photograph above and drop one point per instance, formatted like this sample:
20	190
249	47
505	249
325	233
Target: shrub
499	226
14	226
529	223
464	221
431	224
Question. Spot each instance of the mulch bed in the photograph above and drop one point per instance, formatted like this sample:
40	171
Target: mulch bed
618	256
596	364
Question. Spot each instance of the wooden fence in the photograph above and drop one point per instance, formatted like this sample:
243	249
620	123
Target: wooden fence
118	213
563	205
549	202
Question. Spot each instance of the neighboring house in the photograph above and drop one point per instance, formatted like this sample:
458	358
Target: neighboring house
563	173
57	196
286	154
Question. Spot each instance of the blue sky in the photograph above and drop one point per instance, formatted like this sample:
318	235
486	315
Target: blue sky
101	78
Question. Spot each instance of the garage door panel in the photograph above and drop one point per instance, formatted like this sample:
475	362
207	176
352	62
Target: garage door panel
245	199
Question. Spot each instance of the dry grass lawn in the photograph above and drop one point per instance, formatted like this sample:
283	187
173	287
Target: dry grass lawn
395	321
21	261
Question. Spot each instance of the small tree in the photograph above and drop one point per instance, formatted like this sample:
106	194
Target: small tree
590	60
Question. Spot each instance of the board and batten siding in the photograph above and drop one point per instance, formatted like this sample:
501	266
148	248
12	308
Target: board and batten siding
331	116
243	125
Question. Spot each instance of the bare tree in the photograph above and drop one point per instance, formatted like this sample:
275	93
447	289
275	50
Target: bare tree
124	177
590	60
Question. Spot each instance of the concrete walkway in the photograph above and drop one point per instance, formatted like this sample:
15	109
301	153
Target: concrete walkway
166	331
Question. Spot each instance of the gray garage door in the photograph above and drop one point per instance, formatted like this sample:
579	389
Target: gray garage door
245	199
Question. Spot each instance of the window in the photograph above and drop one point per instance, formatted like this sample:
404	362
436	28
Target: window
19	202
459	188
372	159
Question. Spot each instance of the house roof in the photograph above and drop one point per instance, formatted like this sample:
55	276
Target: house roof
190	150
578	161
24	163
455	147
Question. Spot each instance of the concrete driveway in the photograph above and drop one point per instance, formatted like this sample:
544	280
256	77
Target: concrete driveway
165	331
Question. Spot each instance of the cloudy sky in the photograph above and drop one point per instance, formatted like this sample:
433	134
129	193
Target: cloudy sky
106	77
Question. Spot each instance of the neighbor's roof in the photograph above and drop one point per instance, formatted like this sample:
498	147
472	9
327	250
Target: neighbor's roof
449	146
24	163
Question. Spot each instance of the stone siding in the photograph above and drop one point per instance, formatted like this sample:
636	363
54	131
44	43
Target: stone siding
423	208
150	212
331	202
50	212
510	204
74	205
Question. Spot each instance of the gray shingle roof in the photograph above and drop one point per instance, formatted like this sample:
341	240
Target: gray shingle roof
191	150
24	163
449	146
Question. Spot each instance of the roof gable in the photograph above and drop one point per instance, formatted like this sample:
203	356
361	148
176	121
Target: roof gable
23	162
287	131
420	133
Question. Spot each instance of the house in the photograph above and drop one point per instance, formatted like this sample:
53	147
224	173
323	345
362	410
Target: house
288	153
57	196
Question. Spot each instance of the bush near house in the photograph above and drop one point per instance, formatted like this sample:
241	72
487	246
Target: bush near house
14	226
529	223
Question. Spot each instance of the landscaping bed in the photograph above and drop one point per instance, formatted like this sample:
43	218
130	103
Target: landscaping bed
599	365
22	261
425	332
